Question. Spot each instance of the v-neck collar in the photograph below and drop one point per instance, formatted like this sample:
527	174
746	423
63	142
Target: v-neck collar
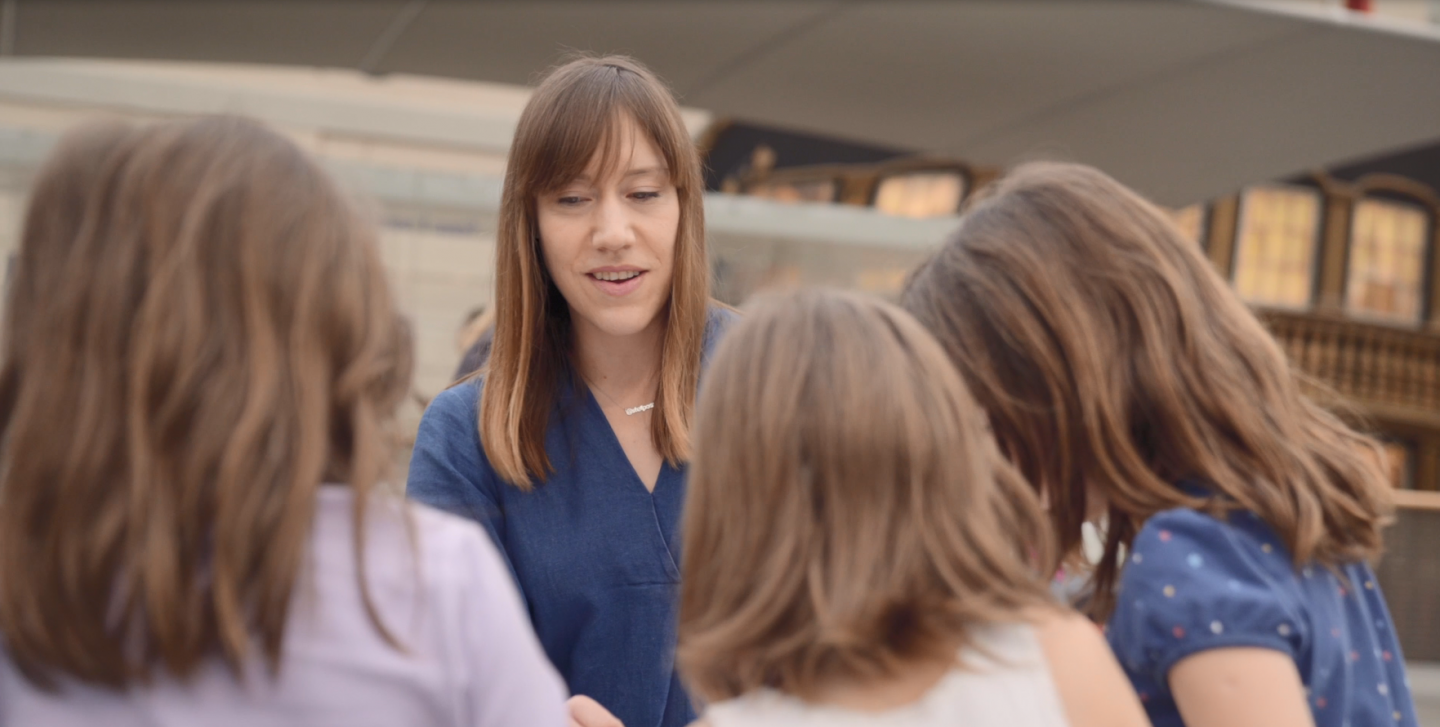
663	500
610	440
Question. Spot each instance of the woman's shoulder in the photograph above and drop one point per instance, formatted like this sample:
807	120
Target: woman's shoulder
718	318
455	411
462	396
718	313
448	465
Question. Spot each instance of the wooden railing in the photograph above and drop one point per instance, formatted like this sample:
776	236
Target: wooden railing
1368	363
1417	500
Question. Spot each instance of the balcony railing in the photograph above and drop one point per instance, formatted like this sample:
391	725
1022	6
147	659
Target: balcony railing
1396	369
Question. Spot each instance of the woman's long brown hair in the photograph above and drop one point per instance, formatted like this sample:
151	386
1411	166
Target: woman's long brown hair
578	111
1113	359
198	334
848	511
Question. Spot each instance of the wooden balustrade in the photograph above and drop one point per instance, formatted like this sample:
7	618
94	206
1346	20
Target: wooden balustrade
1370	363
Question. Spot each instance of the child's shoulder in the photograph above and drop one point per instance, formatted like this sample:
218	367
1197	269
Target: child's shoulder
1193	581
1185	559
1183	532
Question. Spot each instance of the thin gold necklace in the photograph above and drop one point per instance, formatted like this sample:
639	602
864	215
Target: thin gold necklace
629	411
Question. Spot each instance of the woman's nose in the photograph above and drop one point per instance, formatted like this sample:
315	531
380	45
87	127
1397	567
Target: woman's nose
612	225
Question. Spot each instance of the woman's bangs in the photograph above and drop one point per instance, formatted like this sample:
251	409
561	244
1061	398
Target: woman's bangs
575	141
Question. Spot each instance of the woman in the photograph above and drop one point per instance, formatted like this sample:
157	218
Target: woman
473	341
199	335
1130	383
850	556
570	449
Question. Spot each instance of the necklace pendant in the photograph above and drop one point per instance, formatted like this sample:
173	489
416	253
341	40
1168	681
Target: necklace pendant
637	409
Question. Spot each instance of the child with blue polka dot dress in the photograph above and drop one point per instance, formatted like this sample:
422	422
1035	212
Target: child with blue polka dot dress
1136	391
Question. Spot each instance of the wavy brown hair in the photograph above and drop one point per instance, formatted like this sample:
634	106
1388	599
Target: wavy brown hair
578	111
198	334
1113	359
848	511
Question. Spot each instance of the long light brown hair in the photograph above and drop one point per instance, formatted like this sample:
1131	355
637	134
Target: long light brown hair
1112	357
848	510
578	111
198	334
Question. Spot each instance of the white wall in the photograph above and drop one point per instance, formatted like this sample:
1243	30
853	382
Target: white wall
431	156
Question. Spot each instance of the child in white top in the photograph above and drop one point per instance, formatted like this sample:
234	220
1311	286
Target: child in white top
858	552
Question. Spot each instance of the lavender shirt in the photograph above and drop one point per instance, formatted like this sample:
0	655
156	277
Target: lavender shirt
473	659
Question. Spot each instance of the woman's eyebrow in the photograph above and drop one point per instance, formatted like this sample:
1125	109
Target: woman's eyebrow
646	170
585	178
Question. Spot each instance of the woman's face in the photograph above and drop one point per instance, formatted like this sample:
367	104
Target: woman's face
609	240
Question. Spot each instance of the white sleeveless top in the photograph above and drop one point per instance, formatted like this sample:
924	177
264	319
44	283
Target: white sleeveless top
1009	688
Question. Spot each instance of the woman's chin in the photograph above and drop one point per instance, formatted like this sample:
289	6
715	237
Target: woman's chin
622	323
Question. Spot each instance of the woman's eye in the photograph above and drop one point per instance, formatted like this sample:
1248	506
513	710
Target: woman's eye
646	195
570	200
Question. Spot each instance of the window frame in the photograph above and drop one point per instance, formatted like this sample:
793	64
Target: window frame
1381	187
1411	448
774	181
1317	245
967	182
1202	233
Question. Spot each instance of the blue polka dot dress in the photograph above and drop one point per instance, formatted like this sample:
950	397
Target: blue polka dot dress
1192	583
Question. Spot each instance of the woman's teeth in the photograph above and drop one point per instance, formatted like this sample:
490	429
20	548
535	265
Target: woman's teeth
611	277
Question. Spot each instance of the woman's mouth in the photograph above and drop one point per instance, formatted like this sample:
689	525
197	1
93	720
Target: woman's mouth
615	277
617	282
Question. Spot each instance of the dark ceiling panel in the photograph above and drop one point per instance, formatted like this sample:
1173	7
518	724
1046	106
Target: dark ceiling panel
514	42
952	75
296	32
1421	163
1184	99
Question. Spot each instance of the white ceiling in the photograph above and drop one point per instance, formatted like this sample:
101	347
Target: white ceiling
1180	98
